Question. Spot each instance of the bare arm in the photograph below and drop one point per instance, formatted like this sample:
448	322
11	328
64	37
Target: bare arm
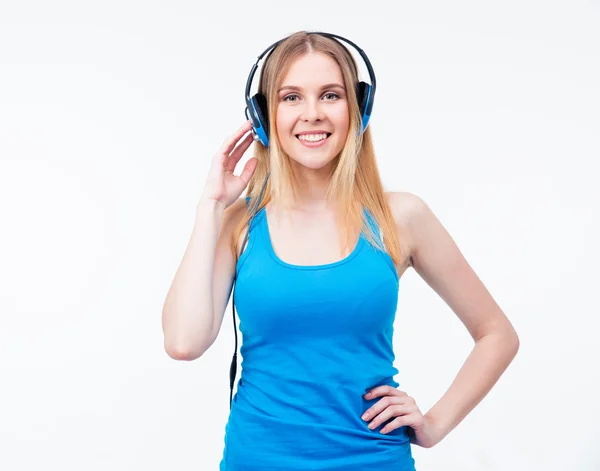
193	310
187	316
195	304
440	263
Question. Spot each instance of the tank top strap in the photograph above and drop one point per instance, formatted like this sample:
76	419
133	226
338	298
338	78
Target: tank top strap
257	218
258	244
379	237
373	223
254	238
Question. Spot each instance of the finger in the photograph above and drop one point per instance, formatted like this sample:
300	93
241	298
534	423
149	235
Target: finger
381	405
238	152
414	420
394	424
231	141
388	413
384	390
248	170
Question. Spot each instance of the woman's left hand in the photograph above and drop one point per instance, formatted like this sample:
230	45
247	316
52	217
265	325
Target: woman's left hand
396	403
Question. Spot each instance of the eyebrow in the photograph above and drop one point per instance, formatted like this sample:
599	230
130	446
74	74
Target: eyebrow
329	85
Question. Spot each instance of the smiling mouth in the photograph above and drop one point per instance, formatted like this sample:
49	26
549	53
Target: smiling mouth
327	134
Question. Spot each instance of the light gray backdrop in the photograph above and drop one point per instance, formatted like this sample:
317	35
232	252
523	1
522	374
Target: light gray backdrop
109	115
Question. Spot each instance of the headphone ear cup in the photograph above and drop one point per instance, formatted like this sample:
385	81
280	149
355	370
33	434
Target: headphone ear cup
362	94
260	107
365	102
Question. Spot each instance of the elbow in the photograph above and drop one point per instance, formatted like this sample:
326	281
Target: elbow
181	345
516	343
177	351
510	339
506	339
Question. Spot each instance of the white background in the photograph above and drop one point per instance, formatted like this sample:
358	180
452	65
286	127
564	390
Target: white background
109	115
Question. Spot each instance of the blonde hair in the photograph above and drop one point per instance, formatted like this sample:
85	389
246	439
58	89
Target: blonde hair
355	181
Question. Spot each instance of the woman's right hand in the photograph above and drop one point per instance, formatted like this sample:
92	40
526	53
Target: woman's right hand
221	184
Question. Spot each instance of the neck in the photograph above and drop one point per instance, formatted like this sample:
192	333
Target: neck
311	187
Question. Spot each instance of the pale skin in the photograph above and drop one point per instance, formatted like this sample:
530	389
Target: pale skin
432	253
427	247
436	258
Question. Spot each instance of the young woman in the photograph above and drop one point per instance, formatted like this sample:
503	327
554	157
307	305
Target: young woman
317	284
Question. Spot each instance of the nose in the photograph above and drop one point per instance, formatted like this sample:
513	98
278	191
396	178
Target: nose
312	111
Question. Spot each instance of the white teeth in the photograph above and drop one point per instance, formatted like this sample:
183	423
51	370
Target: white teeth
312	137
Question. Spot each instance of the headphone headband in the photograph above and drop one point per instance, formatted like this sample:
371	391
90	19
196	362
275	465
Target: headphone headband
257	104
329	35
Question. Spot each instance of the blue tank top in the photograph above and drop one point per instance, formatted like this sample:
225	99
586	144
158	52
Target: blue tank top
315	339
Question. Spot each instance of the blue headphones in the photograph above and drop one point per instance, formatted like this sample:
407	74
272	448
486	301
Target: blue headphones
256	106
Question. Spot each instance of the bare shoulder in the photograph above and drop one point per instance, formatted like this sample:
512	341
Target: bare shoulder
230	219
235	213
439	261
237	209
406	208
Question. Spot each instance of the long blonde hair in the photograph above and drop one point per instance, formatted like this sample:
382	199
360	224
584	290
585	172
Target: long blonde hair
355	181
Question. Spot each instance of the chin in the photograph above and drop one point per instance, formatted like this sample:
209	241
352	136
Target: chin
311	159
314	164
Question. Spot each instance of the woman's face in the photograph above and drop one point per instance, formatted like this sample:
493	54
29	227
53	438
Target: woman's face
312	97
